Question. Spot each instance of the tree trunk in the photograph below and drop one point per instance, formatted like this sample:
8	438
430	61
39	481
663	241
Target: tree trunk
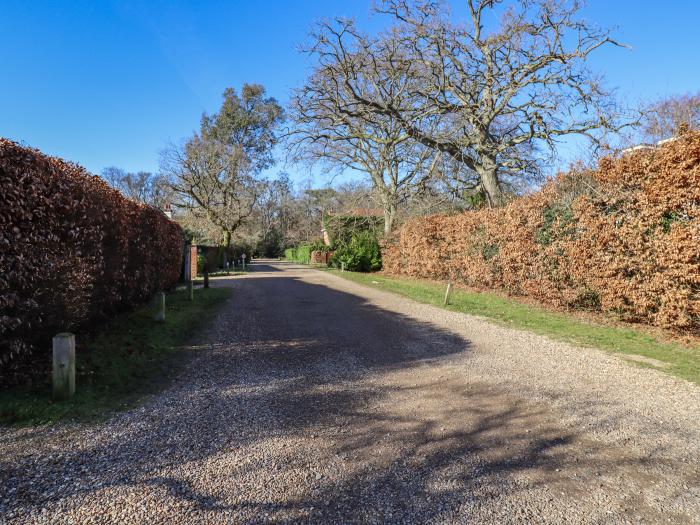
389	205
227	239
389	216
488	173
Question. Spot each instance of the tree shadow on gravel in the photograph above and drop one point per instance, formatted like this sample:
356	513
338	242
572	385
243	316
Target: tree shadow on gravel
363	411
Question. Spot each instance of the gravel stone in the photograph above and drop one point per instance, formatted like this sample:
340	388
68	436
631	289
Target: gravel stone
310	398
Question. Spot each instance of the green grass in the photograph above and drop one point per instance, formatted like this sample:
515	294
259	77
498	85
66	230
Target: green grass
129	357
680	360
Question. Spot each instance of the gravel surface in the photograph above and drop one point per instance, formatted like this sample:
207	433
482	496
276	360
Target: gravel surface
314	399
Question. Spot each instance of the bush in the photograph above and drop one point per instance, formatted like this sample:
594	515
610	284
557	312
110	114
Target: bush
270	245
304	254
361	254
203	262
72	251
301	254
622	239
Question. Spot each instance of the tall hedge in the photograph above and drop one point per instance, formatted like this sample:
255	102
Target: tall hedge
72	250
622	239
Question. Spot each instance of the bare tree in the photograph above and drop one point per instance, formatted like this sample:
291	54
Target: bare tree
669	117
495	99
215	173
332	129
142	186
213	182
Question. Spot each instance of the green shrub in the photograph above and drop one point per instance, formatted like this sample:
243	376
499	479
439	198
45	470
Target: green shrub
301	254
319	246
361	254
304	254
201	263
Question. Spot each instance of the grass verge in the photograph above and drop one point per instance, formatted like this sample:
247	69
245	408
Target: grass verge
675	358
129	357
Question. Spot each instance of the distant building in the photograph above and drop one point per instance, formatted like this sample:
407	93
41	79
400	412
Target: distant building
641	147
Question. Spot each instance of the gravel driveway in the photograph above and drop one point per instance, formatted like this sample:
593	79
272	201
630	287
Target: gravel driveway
315	399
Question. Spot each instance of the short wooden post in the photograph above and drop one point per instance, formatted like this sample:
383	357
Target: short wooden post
188	269
63	366
342	266
206	277
448	292
190	289
193	262
160	305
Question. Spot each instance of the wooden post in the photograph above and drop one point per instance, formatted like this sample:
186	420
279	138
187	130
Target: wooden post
193	262
447	294
63	366
342	266
206	277
160	304
190	289
188	269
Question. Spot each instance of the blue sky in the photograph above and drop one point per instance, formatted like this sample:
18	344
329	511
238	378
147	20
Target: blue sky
108	83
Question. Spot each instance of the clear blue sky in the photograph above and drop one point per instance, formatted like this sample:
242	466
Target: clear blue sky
108	83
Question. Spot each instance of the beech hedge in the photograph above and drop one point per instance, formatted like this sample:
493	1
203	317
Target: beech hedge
72	251
623	239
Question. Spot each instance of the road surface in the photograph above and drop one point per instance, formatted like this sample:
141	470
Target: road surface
314	399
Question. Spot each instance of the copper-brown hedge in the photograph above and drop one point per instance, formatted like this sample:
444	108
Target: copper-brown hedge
623	239
72	250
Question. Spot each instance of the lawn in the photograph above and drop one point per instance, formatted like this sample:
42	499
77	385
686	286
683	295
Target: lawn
676	358
128	358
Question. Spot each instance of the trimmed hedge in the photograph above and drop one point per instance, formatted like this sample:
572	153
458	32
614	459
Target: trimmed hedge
72	251
300	254
623	239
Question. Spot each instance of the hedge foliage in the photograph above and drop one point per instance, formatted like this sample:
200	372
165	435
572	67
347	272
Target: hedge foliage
623	239
361	254
299	254
72	250
302	254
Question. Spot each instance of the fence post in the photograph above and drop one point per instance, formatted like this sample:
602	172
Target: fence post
190	289
447	294
160	300
342	266
188	270
193	261
206	277
63	366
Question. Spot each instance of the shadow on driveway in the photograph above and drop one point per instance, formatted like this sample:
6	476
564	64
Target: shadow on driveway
370	413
